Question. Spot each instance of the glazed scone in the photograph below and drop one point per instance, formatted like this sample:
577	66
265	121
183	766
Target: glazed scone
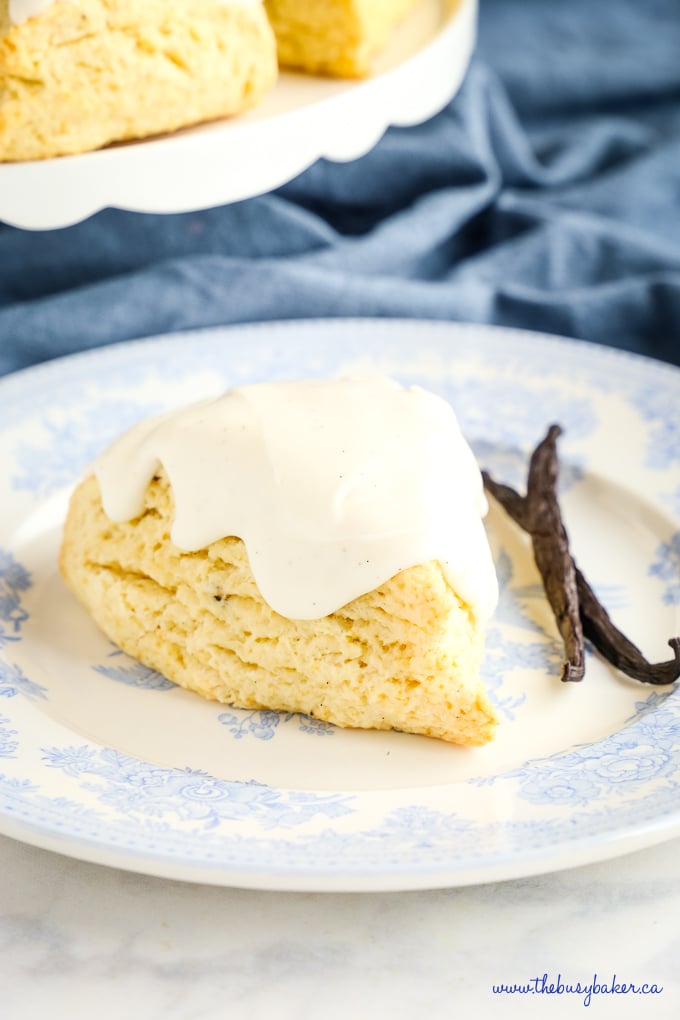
311	611
404	656
76	75
334	37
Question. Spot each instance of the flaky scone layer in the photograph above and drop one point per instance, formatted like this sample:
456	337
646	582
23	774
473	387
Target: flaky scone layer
84	73
404	656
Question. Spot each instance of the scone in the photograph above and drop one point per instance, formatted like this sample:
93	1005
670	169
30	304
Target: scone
334	37
345	599
76	75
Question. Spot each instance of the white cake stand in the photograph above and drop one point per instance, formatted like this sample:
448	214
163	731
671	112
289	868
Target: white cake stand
303	119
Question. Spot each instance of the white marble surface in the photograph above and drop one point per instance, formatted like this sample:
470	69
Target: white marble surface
79	940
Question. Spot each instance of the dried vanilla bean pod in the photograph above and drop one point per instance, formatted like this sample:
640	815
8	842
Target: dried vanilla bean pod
598	627
551	552
615	647
539	514
514	505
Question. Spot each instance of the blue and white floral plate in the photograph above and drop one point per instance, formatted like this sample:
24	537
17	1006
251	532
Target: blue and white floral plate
104	760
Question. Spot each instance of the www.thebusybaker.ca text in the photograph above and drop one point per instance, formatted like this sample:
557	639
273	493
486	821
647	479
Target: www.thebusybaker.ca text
545	986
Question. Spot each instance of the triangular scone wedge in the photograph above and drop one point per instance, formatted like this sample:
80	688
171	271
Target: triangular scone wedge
405	656
83	73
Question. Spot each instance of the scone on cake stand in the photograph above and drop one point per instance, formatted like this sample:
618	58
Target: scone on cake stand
76	75
336	37
163	52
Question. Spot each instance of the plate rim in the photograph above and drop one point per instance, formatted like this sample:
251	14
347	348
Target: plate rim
265	878
591	348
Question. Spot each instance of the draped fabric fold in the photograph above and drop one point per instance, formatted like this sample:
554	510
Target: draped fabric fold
545	196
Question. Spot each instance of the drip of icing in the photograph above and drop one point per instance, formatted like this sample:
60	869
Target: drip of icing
333	486
22	10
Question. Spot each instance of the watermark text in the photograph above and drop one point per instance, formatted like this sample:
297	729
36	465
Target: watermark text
545	985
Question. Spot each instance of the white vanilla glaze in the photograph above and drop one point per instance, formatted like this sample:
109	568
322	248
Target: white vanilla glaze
22	10
334	487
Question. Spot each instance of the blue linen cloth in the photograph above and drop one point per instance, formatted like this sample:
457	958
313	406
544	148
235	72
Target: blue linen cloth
546	196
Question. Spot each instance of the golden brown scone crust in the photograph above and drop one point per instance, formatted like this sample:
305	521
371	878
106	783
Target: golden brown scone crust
84	73
334	37
405	656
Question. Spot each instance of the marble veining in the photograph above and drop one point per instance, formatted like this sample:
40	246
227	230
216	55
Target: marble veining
90	939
